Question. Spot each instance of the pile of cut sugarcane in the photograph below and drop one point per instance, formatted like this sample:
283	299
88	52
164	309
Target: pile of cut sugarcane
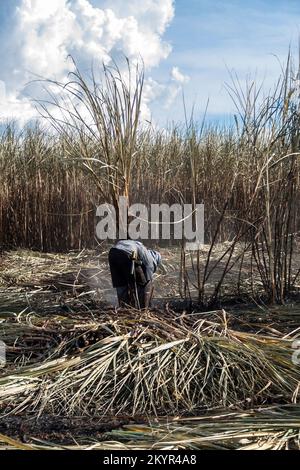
151	363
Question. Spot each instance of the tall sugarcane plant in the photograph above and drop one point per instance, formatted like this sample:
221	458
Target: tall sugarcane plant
99	121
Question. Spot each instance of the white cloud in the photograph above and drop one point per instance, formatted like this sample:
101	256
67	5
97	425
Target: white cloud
178	76
153	15
42	34
211	72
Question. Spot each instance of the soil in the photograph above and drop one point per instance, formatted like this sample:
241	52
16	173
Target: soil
62	430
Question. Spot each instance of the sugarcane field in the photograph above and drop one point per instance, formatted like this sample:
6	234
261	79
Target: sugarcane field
149	228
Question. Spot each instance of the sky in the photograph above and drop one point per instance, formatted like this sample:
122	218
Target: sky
189	47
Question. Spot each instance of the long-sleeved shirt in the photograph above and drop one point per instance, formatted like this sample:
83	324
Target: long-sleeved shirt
150	259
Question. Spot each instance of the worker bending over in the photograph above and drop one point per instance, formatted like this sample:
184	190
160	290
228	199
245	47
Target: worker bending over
132	267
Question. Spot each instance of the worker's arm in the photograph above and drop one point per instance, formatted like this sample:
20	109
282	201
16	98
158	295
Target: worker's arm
156	257
150	260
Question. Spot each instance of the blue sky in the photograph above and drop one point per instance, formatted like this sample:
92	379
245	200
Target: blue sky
185	43
210	37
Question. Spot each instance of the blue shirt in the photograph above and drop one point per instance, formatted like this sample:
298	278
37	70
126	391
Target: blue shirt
150	259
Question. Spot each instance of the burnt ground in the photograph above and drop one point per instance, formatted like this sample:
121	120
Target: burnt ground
62	430
52	280
48	282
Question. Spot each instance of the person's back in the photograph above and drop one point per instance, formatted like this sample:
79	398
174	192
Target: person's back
132	267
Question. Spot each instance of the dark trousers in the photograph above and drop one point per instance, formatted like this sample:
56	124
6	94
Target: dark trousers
137	297
132	289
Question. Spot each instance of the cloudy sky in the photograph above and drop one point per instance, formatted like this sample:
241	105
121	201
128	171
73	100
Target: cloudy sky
185	44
